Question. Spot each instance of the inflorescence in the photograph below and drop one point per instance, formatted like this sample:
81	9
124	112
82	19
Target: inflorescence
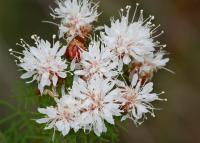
111	75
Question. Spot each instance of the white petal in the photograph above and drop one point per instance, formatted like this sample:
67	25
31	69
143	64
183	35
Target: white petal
55	79
124	118
134	112
147	88
43	120
45	79
108	117
34	51
150	97
62	51
134	80
97	132
66	129
112	95
73	64
27	74
62	74
55	48
126	59
141	109
34	78
60	125
120	66
80	72
41	88
42	110
51	112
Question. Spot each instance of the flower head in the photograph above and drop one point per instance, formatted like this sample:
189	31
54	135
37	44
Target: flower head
98	103
42	62
138	100
131	40
152	62
77	16
63	117
98	60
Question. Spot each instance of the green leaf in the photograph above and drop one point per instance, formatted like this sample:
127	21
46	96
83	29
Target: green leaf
2	138
7	118
7	104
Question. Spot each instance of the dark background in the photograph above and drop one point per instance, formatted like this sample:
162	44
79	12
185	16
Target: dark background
178	122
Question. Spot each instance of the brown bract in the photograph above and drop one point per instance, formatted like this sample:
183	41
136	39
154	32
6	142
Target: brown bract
143	76
73	50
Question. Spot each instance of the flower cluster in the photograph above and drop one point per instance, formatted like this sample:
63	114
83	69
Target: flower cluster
111	75
76	17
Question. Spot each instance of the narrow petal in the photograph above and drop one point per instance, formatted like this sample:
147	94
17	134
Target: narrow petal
43	120
62	51
134	80
27	74
55	79
126	59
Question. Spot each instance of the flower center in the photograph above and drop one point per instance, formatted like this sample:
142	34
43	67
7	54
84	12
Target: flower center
94	67
122	46
97	102
130	95
67	115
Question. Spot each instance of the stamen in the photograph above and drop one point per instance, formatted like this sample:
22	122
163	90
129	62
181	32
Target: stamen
160	98
24	43
36	39
168	70
21	45
141	18
153	115
128	7
17	57
160	46
149	18
162	32
54	37
152	31
50	22
11	51
163	92
137	4
16	62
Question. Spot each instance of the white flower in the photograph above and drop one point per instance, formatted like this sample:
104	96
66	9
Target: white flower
42	62
99	102
75	14
98	60
138	100
63	117
153	62
131	40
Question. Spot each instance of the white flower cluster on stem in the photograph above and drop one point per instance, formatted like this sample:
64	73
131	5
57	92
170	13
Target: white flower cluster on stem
112	75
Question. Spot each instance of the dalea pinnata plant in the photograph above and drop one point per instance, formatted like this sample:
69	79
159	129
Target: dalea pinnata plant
111	70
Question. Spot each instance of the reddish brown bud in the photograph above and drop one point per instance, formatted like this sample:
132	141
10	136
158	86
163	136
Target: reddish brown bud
37	92
144	76
85	32
74	48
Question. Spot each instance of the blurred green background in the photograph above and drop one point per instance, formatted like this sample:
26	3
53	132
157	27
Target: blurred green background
178	121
